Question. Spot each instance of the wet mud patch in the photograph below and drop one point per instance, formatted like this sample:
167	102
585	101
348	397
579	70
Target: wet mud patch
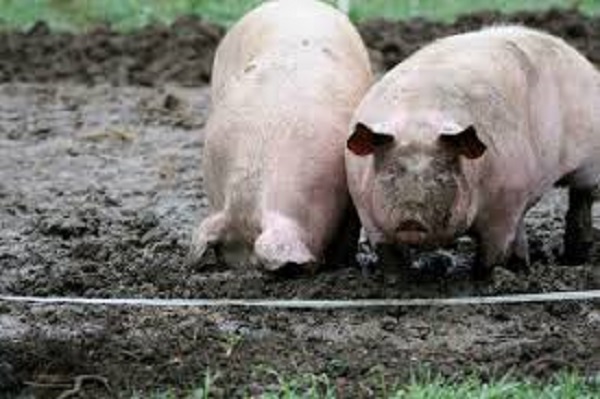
102	203
100	187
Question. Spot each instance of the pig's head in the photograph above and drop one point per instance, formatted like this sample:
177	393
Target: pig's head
420	192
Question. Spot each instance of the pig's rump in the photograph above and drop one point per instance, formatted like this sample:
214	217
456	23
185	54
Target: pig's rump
286	80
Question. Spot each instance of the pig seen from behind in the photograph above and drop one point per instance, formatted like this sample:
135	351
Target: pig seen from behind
467	134
286	80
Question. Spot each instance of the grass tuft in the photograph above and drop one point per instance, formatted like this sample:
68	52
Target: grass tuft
313	386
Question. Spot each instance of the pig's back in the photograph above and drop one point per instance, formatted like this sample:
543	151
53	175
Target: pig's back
285	81
287	42
513	60
533	98
523	87
561	102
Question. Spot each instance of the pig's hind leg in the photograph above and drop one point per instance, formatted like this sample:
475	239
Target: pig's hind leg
208	235
281	247
578	226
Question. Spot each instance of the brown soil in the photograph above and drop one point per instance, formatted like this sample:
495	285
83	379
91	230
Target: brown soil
100	186
183	52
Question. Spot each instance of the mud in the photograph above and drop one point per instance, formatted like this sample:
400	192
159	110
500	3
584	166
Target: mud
183	51
100	186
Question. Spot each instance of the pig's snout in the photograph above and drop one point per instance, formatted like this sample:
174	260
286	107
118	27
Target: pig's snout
411	231
412	225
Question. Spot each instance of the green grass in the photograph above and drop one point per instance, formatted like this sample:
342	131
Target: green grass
447	10
128	14
310	386
202	391
564	387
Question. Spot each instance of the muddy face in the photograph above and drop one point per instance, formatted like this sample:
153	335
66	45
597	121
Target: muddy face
414	194
418	194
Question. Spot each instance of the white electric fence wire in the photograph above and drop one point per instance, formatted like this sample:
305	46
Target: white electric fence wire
311	304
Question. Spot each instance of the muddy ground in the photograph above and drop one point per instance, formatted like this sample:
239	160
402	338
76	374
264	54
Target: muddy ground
100	186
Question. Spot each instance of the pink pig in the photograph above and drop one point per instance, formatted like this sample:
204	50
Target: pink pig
286	80
467	134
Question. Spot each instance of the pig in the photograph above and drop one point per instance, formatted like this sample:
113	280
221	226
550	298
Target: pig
466	134
286	80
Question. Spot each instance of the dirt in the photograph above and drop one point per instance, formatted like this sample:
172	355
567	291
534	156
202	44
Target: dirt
181	52
100	186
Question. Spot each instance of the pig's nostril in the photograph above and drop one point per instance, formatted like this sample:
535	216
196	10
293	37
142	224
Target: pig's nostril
412	225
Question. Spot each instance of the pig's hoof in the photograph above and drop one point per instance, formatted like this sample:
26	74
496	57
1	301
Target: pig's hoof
206	236
195	257
576	254
199	257
367	259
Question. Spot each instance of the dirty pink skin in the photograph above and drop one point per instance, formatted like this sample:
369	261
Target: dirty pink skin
286	80
467	134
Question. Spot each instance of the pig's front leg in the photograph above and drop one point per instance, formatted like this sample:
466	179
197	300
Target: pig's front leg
281	245
374	252
518	256
502	242
578	229
366	256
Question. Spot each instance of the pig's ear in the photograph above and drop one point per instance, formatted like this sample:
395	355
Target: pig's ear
464	142
364	141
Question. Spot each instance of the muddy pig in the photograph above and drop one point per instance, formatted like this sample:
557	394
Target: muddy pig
286	79
467	134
